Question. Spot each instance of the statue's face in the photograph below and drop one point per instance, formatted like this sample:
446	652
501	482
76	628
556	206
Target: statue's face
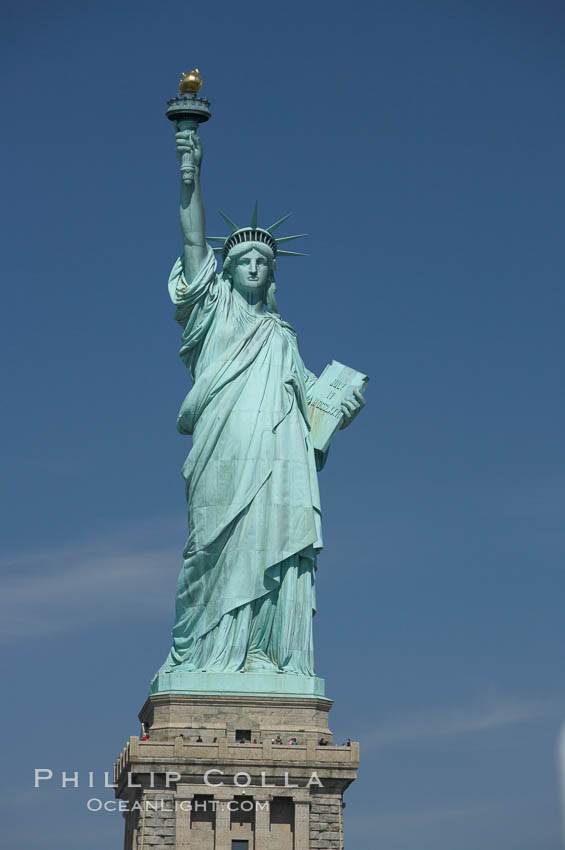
250	272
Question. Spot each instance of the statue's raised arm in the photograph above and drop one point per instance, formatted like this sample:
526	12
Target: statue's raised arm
192	216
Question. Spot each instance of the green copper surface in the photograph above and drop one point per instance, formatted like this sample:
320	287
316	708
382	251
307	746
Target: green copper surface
245	596
260	684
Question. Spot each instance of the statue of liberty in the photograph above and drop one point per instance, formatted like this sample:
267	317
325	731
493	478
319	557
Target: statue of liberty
245	596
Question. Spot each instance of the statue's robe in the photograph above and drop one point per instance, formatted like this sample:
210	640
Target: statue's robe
245	595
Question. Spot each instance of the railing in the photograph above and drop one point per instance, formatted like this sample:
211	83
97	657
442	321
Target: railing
224	750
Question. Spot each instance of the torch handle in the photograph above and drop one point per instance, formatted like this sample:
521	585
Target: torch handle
186	160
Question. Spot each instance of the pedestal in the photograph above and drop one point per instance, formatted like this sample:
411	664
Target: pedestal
213	777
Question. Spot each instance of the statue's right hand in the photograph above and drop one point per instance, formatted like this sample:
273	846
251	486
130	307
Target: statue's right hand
189	142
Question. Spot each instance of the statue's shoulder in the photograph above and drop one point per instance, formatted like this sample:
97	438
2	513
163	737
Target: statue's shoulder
182	290
281	323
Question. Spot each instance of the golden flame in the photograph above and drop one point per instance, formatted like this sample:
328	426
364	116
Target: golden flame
190	82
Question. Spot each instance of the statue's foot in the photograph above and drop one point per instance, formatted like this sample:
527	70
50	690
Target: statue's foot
260	663
288	672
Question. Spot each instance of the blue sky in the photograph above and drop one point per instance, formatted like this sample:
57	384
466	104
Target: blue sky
421	147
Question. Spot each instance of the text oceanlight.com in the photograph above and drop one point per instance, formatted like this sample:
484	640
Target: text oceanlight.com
166	805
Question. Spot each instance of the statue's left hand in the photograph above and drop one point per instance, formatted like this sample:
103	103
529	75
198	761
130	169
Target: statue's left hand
351	407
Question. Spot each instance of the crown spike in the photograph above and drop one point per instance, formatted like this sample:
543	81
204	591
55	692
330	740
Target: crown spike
274	226
290	254
254	217
221	239
217	250
231	223
288	238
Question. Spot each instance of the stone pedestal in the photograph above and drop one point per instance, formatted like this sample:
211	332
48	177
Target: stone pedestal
212	777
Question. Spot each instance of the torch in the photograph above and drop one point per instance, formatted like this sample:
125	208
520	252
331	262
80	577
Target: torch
187	111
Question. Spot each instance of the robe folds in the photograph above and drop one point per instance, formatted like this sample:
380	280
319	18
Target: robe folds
245	594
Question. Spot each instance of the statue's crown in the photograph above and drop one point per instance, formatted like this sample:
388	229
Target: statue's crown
252	233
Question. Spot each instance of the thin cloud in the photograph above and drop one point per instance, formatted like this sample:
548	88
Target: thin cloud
561	766
51	591
416	818
484	715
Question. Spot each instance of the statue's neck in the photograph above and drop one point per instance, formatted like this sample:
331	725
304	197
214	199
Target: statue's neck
253	302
